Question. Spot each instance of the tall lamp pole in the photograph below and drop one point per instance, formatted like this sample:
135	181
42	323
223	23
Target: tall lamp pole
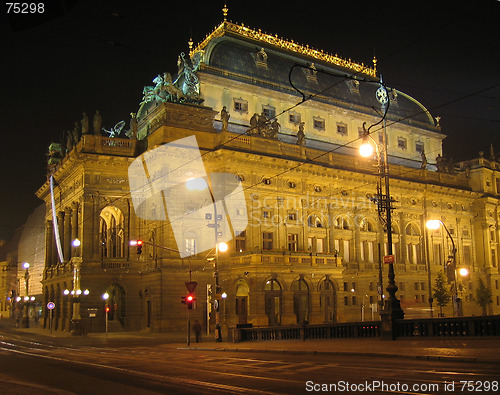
26	318
392	308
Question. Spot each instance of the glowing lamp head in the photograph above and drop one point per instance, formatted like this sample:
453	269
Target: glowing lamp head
223	247
26	265
76	243
463	272
366	149
105	296
433	224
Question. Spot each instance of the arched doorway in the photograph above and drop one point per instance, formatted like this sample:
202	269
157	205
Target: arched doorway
272	289
116	304
301	300
328	301
241	303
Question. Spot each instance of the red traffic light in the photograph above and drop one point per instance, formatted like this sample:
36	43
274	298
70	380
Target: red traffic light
107	309
188	300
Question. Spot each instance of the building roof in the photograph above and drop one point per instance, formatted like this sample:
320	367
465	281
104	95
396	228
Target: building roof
237	50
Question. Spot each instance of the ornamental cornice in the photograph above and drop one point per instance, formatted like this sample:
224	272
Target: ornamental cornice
229	28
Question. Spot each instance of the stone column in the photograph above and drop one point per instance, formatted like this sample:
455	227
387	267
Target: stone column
67	234
49	243
60	225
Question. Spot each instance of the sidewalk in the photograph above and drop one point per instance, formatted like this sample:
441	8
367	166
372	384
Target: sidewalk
465	349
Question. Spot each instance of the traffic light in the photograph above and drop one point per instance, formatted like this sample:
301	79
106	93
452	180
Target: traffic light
139	247
107	309
188	300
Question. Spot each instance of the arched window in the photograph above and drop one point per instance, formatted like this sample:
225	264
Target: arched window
413	244
341	223
111	233
272	290
328	301
241	302
301	300
314	222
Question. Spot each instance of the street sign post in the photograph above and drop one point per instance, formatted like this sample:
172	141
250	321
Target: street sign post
50	306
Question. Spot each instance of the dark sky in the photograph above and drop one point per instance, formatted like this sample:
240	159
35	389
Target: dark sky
100	54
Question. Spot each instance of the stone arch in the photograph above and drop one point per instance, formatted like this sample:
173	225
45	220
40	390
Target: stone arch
301	299
112	232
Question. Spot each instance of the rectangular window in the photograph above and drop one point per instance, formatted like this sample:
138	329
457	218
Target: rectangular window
319	246
293	242
294	118
267	240
240	105
269	111
319	123
419	147
402	143
342	129
241	242
292	216
346	250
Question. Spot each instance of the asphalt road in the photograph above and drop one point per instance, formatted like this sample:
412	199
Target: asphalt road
31	367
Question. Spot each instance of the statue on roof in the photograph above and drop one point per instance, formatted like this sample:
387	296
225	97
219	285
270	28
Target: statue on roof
163	91
97	123
275	126
224	117
132	132
116	130
187	80
85	123
301	136
424	160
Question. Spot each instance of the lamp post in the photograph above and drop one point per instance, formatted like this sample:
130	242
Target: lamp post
76	319
105	297
392	308
220	247
26	318
434	224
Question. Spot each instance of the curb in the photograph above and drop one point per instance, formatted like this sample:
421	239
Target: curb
345	353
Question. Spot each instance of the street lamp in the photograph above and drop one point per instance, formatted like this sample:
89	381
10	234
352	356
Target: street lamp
392	307
105	297
26	318
434	224
222	247
76	319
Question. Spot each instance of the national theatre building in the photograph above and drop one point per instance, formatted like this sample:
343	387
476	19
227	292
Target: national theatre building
255	142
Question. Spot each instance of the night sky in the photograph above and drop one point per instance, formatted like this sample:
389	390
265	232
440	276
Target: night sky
98	55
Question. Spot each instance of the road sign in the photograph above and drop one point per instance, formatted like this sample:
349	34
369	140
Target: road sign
51	305
191	286
389	259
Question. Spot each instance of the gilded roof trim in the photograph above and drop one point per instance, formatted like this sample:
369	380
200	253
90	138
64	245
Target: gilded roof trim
280	43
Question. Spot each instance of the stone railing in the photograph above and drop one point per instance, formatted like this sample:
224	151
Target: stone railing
303	332
449	327
430	327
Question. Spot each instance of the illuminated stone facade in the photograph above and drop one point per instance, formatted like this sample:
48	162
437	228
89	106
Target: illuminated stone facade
311	248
